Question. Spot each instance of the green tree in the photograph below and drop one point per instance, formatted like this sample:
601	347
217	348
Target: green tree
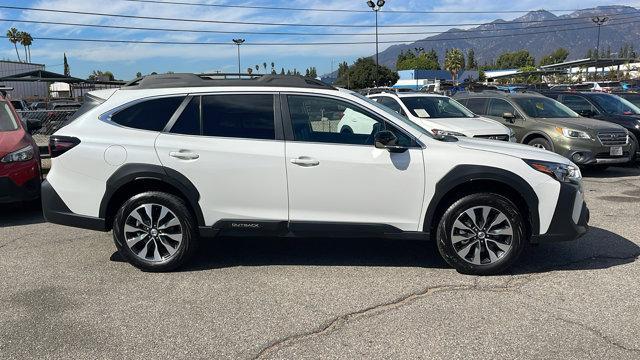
257	67
472	63
14	37
454	62
249	71
138	74
26	40
265	67
423	61
282	71
101	75
590	54
558	56
66	68
362	74
515	60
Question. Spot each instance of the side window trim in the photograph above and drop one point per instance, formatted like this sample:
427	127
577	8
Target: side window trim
288	126
515	108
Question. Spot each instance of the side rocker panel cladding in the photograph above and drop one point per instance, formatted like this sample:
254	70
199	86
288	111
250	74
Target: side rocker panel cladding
462	174
132	172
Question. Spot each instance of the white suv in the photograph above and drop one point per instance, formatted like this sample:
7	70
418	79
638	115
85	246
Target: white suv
170	159
443	116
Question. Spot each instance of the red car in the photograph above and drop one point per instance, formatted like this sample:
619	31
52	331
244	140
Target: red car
20	174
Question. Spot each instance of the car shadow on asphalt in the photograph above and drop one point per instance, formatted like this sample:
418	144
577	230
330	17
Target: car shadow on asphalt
612	172
21	214
599	249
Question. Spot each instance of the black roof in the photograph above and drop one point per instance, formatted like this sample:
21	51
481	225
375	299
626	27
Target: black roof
206	80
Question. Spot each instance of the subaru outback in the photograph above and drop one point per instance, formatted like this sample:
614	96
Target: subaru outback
168	160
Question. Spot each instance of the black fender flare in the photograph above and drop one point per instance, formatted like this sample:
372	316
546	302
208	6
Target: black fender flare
539	133
132	172
466	174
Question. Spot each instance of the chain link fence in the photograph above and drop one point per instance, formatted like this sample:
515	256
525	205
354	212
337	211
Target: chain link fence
51	120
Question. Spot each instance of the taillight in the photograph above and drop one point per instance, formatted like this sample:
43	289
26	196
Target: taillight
59	145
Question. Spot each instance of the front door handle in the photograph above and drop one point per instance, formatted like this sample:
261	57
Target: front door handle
184	155
305	161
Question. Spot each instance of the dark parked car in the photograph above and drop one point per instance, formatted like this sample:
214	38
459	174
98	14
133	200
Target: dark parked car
633	98
606	107
20	174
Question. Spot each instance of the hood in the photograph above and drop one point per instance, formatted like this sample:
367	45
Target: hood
512	149
467	126
582	123
11	141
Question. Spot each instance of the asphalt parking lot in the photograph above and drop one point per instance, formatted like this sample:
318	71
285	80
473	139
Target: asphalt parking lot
65	294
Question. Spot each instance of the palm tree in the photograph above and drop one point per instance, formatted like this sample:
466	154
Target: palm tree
454	62
249	71
26	40
273	67
265	67
257	68
14	36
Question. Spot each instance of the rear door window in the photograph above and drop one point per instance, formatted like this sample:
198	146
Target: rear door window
7	119
477	105
150	114
499	107
248	116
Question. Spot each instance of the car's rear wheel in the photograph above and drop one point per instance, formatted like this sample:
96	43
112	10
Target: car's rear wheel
154	231
540	143
481	234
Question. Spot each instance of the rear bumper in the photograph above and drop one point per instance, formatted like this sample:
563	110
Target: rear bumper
10	192
56	211
570	218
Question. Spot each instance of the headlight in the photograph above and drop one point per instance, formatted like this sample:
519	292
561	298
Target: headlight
512	136
23	154
560	172
573	134
439	132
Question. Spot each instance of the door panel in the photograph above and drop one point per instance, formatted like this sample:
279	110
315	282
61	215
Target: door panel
239	169
340	177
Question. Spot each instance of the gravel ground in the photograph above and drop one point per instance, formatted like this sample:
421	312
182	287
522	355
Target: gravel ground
65	294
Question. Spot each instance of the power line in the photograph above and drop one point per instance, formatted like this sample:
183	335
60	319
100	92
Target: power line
287	33
159	42
271	23
257	7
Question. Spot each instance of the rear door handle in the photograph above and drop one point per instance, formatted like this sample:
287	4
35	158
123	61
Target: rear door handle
305	161
184	155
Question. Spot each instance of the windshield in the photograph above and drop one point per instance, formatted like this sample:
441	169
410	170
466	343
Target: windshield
613	104
7	120
542	107
435	107
391	112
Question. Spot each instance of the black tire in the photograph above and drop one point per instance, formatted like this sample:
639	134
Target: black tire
540	143
517	240
183	251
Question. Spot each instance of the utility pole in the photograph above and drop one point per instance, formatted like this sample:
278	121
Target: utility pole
238	42
376	7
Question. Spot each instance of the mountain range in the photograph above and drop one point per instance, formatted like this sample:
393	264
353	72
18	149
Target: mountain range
543	32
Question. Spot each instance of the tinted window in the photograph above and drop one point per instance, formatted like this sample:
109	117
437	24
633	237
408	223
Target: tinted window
542	107
498	107
7	120
615	105
242	116
189	121
319	119
391	104
17	104
148	115
88	104
577	103
477	106
435	107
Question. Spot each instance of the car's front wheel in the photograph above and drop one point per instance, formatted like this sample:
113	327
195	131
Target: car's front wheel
481	234
154	231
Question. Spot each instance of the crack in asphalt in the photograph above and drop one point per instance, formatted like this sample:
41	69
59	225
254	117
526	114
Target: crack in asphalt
514	284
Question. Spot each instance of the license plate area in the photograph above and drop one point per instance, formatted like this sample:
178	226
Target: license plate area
615	151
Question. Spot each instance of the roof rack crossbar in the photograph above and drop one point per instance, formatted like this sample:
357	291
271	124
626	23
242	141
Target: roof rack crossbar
210	80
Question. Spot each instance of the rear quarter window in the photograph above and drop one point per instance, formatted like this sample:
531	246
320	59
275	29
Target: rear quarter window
150	115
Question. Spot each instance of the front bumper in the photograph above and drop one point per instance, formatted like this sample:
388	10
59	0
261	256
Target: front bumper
56	211
570	218
10	192
591	152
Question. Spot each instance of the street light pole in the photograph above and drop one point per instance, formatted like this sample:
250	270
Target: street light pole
599	21
238	42
376	7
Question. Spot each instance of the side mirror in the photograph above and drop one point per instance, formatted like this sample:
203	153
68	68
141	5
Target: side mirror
385	139
33	125
509	117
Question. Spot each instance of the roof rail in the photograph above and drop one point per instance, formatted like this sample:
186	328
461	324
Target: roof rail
381	90
203	80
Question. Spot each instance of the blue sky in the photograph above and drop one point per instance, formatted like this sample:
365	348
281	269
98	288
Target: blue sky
124	60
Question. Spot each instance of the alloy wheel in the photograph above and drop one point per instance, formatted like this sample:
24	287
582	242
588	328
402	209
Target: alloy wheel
482	235
153	232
